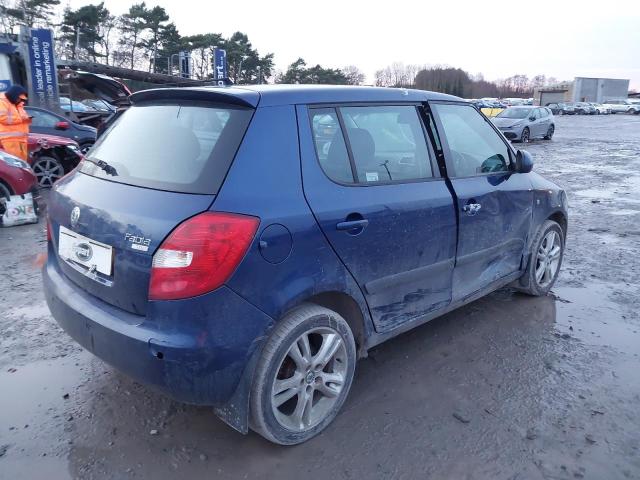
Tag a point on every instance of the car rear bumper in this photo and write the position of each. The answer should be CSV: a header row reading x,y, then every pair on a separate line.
x,y
193,350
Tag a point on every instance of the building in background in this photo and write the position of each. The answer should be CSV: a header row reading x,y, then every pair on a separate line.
x,y
583,89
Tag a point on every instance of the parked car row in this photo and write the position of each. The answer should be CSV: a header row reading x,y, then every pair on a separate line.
x,y
591,108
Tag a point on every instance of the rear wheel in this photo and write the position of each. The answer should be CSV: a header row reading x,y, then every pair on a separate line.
x,y
304,375
525,135
47,170
547,251
550,132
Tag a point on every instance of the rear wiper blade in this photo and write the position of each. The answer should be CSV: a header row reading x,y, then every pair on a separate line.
x,y
109,169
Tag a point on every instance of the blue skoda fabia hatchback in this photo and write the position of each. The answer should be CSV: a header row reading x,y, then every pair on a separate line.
x,y
242,247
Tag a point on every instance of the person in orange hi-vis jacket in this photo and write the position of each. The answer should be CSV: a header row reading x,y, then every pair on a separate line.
x,y
14,122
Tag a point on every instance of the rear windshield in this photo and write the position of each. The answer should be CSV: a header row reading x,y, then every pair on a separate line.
x,y
177,147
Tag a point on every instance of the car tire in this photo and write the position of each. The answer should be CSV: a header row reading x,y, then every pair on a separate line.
x,y
525,136
5,191
543,266
85,147
48,170
550,132
295,414
560,112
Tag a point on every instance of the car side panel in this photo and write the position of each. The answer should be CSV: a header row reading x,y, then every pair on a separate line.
x,y
294,261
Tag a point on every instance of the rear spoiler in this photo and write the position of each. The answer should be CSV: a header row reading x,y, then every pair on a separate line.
x,y
229,95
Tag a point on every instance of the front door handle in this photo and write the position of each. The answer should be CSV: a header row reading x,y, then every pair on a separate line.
x,y
353,225
471,209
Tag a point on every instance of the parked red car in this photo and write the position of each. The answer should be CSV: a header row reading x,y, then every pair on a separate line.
x,y
16,177
52,157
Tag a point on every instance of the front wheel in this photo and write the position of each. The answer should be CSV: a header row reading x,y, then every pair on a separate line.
x,y
547,251
303,376
525,135
550,132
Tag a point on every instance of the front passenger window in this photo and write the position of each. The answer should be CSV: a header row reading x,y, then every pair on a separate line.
x,y
475,147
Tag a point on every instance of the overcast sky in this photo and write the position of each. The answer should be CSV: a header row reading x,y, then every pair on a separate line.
x,y
559,38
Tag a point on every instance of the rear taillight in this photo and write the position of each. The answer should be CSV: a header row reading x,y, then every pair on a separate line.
x,y
200,255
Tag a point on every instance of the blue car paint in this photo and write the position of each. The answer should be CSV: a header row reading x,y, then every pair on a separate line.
x,y
491,243
269,161
203,350
403,259
110,210
193,350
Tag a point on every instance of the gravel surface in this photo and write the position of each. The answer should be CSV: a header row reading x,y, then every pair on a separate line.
x,y
508,387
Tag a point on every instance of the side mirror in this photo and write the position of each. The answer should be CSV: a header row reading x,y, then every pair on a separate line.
x,y
532,118
62,125
524,162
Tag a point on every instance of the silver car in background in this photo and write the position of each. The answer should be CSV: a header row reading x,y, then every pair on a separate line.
x,y
524,122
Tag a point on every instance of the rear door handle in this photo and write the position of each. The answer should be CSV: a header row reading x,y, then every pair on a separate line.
x,y
471,209
353,224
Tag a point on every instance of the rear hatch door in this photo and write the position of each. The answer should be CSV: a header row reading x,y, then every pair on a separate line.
x,y
160,163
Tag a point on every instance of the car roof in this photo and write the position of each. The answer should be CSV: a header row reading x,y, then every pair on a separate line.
x,y
272,95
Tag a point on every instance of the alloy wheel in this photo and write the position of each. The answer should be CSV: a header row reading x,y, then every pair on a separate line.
x,y
525,136
309,380
548,258
47,171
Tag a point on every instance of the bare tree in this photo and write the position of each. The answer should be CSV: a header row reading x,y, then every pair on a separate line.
x,y
353,74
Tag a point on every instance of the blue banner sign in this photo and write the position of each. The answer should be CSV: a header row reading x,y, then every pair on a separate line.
x,y
43,88
4,85
220,65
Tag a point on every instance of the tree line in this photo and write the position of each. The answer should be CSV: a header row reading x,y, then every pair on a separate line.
x,y
145,38
456,81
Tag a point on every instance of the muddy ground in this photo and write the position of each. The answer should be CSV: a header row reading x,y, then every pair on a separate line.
x,y
509,387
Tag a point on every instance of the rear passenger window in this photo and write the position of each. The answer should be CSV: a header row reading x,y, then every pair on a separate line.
x,y
387,142
475,147
330,145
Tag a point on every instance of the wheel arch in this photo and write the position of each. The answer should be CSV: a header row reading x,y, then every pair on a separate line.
x,y
561,219
346,306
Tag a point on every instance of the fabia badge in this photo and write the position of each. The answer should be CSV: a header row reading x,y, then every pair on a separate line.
x,y
83,251
75,216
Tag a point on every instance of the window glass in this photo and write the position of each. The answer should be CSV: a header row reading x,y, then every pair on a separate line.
x,y
177,147
475,147
42,119
330,145
387,142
